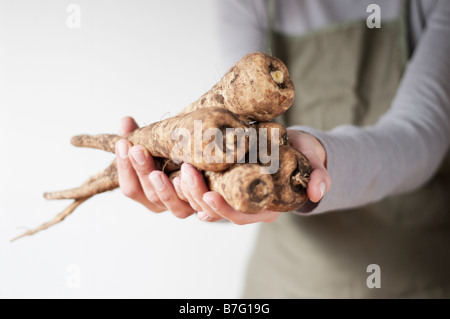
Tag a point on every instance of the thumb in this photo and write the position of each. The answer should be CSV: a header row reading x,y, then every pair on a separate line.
x,y
320,181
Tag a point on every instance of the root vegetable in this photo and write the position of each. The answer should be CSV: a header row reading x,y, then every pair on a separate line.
x,y
243,187
256,88
160,142
105,142
291,180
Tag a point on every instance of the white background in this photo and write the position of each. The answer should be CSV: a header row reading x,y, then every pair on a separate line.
x,y
146,59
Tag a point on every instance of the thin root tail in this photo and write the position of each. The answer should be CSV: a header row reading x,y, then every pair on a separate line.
x,y
58,218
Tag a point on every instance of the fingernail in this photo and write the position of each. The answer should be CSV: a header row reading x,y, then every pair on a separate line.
x,y
122,147
322,189
139,156
201,215
157,181
210,202
186,176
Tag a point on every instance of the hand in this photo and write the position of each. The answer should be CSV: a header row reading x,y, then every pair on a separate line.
x,y
140,181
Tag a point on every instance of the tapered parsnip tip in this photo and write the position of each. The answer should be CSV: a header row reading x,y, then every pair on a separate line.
x,y
17,237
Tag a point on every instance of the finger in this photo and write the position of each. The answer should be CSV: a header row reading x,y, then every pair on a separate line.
x,y
318,185
204,217
143,165
127,125
177,186
193,186
186,184
320,181
167,194
222,208
128,180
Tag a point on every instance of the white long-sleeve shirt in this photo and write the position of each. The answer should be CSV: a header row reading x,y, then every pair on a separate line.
x,y
406,146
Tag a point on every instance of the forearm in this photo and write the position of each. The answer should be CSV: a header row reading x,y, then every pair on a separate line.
x,y
368,164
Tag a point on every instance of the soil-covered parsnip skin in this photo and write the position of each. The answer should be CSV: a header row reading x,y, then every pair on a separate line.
x,y
283,138
159,140
256,88
243,186
264,132
291,180
105,142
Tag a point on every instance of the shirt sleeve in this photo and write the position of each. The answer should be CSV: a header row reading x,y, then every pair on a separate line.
x,y
407,145
241,27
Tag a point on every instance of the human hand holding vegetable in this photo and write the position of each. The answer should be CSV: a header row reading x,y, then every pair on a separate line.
x,y
212,206
141,181
255,90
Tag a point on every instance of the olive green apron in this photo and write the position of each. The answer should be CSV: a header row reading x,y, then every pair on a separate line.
x,y
348,74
